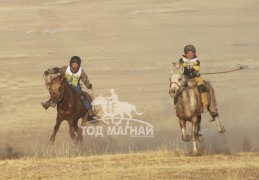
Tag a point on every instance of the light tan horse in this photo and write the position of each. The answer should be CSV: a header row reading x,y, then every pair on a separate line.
x,y
188,105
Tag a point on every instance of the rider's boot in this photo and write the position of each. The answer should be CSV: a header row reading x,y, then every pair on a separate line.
x,y
47,104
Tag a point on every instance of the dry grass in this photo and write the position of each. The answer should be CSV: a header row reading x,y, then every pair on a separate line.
x,y
127,45
150,165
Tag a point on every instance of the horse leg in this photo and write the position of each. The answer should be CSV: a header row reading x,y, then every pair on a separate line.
x,y
214,110
220,128
200,137
56,127
183,129
78,131
85,119
198,125
71,131
194,134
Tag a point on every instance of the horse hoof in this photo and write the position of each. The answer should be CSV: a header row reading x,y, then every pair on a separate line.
x,y
51,143
222,130
185,139
195,153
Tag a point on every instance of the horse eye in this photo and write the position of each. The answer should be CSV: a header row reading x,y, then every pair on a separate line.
x,y
180,79
59,88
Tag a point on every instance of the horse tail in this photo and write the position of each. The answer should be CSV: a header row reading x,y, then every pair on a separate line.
x,y
135,110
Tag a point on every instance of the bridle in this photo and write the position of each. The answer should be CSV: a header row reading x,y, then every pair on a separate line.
x,y
172,82
180,88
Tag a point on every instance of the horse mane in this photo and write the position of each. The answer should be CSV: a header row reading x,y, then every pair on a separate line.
x,y
64,81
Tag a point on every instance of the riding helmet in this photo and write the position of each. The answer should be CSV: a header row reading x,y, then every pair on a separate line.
x,y
75,59
189,48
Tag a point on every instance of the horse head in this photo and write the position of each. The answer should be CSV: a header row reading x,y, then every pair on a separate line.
x,y
177,81
56,88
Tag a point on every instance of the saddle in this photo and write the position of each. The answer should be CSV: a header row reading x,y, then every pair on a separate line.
x,y
194,84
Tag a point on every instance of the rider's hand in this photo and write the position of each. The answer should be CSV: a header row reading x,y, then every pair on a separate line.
x,y
46,73
90,86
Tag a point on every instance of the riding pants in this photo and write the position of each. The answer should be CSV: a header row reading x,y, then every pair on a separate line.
x,y
202,90
79,91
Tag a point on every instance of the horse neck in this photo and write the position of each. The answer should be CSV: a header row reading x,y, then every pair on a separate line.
x,y
68,92
186,95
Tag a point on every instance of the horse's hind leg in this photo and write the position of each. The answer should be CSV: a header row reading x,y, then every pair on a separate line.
x,y
78,131
183,129
56,127
71,131
214,109
198,125
199,135
220,128
85,119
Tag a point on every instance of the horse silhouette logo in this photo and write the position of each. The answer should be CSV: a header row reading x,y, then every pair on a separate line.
x,y
112,108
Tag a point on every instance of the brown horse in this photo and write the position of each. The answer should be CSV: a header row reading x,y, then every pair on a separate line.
x,y
69,107
188,105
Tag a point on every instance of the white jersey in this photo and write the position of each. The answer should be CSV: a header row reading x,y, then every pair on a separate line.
x,y
73,78
190,62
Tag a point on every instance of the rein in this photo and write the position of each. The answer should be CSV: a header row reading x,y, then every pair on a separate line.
x,y
180,90
239,67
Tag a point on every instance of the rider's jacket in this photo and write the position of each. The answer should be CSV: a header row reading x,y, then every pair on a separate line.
x,y
191,67
72,78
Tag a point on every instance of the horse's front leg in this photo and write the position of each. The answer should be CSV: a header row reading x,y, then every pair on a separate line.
x,y
183,129
199,135
220,128
194,134
59,119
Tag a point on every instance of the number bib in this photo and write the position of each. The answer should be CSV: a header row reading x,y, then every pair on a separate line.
x,y
73,78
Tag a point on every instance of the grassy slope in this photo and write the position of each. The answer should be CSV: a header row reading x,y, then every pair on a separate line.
x,y
151,165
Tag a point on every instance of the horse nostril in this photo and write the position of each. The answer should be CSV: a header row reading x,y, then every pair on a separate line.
x,y
172,91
